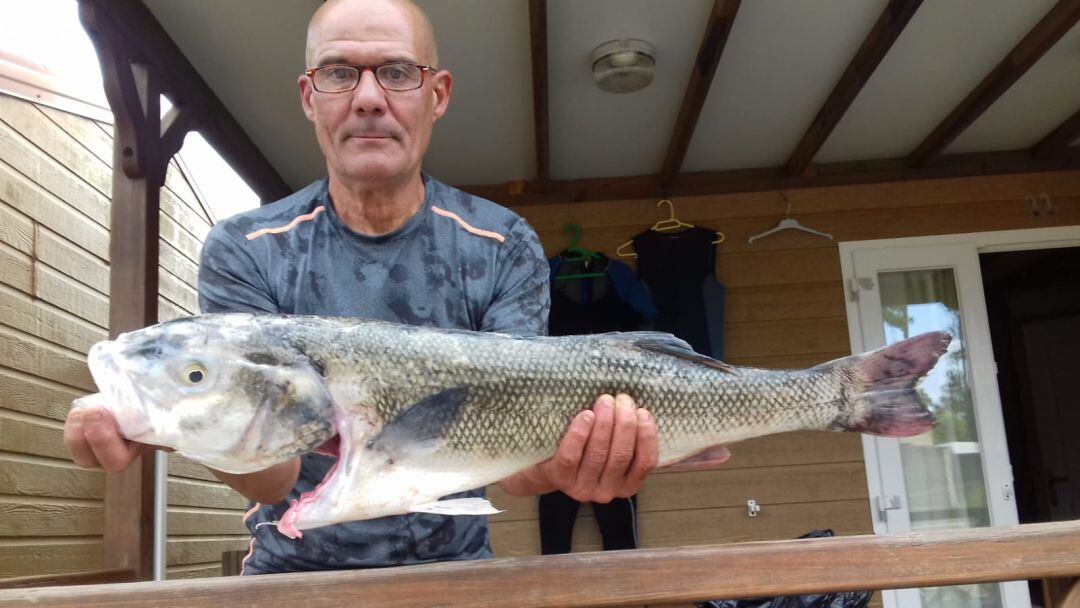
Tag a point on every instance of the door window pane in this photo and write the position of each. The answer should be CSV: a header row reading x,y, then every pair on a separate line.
x,y
942,469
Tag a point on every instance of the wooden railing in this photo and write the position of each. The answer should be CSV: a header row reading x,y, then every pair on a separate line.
x,y
645,576
95,577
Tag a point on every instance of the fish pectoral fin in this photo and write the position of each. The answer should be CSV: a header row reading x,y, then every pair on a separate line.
x,y
705,459
457,506
422,427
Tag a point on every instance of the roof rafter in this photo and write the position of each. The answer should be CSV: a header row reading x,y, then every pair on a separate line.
x,y
1058,140
183,85
886,30
539,52
1044,35
712,47
706,183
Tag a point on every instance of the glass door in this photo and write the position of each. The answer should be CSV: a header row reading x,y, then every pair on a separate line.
x,y
958,475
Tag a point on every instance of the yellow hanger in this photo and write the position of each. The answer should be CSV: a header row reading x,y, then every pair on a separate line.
x,y
671,223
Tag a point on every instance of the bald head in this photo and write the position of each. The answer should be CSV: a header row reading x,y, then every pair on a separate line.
x,y
340,11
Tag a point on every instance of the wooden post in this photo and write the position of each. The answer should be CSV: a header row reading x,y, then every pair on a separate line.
x,y
142,147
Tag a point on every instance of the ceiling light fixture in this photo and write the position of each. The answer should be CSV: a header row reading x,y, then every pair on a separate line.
x,y
623,66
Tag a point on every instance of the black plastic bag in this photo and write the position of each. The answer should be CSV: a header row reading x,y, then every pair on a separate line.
x,y
848,599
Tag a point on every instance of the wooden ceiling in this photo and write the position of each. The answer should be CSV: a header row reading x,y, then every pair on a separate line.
x,y
748,95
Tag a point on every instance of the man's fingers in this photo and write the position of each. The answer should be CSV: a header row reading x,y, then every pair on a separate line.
x,y
110,448
621,451
646,452
564,464
595,457
78,448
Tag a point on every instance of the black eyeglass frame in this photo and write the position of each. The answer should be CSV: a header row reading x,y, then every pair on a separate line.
x,y
361,68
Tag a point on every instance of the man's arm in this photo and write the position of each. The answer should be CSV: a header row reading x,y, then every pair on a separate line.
x,y
606,452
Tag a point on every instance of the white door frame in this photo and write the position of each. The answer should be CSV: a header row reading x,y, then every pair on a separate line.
x,y
981,242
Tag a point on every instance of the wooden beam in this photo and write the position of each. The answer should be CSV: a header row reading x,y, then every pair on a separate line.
x,y
773,178
150,44
708,58
1057,141
142,147
886,30
538,35
644,576
1044,35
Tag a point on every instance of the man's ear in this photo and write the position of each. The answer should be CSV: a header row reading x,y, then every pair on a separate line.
x,y
306,90
442,87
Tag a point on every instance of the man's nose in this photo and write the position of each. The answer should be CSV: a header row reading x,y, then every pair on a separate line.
x,y
369,96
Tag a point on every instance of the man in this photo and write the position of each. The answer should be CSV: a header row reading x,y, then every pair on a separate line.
x,y
379,239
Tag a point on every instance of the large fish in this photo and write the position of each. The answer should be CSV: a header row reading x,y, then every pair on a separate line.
x,y
419,413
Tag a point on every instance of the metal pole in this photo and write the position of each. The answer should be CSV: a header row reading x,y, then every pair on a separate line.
x,y
161,506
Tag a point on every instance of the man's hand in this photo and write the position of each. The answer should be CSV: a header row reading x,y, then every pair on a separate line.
x,y
605,454
93,438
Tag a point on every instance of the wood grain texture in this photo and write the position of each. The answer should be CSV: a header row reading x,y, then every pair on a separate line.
x,y
713,41
35,556
658,575
16,229
53,177
25,392
46,209
875,46
1057,22
699,526
96,577
33,355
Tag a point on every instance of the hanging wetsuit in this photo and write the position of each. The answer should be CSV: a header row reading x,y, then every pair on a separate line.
x,y
680,270
616,301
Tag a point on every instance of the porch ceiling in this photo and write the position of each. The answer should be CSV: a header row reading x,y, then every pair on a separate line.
x,y
777,70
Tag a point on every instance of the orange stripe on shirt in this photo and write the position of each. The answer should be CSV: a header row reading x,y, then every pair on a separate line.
x,y
251,545
302,218
466,226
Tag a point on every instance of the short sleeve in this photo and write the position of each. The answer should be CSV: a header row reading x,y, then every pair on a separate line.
x,y
522,297
229,278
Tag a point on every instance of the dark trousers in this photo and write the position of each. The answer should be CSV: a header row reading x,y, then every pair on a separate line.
x,y
617,521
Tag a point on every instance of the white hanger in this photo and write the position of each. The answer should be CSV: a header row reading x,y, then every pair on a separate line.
x,y
788,224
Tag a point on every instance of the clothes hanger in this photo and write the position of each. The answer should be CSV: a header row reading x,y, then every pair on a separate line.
x,y
788,224
671,223
573,253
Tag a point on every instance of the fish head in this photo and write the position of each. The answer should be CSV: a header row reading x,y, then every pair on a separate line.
x,y
224,394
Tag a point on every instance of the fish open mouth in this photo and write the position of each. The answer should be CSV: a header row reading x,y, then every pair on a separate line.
x,y
309,511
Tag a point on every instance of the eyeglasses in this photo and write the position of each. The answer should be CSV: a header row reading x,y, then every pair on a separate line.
x,y
341,77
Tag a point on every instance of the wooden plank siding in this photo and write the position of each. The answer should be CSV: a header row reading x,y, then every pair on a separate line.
x,y
785,308
55,183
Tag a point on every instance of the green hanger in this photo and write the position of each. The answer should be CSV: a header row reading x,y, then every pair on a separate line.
x,y
573,253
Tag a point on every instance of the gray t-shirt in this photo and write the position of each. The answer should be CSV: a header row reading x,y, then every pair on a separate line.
x,y
459,262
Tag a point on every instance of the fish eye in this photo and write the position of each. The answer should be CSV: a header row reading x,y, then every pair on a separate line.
x,y
194,374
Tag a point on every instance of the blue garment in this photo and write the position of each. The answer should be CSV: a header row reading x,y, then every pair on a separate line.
x,y
459,262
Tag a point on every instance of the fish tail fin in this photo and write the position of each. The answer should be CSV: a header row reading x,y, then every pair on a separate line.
x,y
885,401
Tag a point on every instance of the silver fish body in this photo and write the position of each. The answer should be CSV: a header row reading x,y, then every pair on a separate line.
x,y
421,412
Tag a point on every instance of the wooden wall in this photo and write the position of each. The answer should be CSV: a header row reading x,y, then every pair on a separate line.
x,y
785,309
55,183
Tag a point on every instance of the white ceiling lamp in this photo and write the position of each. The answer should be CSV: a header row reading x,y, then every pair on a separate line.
x,y
623,66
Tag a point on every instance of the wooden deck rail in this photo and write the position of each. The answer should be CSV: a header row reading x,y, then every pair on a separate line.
x,y
95,577
629,577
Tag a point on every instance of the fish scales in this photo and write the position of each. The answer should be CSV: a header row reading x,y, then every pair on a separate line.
x,y
424,412
537,385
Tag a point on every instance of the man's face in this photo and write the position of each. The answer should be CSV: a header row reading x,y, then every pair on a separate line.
x,y
371,136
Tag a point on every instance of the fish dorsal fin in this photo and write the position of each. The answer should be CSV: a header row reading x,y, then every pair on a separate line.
x,y
667,344
422,427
